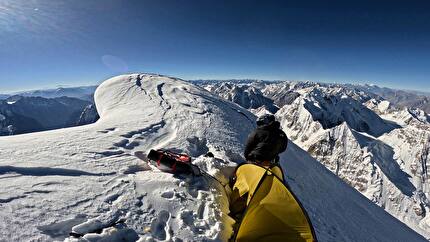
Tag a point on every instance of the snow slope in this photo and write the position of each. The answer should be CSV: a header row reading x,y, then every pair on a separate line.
x,y
377,147
372,150
87,178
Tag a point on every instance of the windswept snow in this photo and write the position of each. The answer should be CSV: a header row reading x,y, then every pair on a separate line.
x,y
338,212
88,180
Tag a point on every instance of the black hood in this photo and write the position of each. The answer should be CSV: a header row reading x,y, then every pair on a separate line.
x,y
273,125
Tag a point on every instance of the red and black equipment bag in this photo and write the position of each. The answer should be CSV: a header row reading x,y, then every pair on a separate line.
x,y
169,161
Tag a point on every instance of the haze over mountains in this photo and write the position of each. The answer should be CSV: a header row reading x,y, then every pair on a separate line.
x,y
40,110
87,178
20,114
401,98
84,93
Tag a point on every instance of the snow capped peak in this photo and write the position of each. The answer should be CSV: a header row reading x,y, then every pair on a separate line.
x,y
331,108
372,143
91,175
172,101
419,115
245,95
89,178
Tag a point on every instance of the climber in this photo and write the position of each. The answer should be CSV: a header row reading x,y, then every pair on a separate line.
x,y
266,142
264,207
263,147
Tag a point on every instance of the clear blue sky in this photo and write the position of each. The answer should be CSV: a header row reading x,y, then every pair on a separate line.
x,y
45,43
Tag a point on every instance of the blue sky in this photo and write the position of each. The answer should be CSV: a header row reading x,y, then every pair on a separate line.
x,y
46,43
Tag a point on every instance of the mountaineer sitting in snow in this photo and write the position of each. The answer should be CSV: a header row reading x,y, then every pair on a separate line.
x,y
263,147
266,142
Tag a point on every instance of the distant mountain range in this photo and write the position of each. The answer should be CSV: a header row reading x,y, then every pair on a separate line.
x,y
251,98
3,96
376,139
39,110
88,179
402,98
20,114
84,93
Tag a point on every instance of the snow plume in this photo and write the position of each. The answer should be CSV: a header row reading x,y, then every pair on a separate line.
x,y
87,179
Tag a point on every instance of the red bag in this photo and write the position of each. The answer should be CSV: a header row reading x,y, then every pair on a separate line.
x,y
172,162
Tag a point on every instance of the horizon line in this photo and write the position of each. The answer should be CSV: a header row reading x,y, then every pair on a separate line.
x,y
351,82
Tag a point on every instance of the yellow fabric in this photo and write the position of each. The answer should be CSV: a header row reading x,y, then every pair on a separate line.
x,y
272,213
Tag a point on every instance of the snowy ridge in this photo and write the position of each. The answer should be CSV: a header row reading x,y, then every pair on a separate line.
x,y
87,179
377,148
249,97
89,174
337,211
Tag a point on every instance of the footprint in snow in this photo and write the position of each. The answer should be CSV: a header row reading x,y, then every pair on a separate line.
x,y
159,227
60,230
187,217
168,194
107,130
133,169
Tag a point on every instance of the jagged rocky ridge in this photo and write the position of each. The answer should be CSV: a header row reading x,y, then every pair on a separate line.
x,y
86,178
89,115
378,147
249,97
401,98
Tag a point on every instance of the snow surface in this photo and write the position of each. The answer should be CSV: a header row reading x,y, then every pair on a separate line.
x,y
377,147
87,178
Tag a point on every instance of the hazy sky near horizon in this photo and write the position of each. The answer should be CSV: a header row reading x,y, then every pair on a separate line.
x,y
46,43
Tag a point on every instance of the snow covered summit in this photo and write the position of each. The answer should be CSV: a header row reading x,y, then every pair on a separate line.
x,y
87,180
378,147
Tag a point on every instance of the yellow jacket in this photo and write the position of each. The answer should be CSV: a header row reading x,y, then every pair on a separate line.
x,y
272,212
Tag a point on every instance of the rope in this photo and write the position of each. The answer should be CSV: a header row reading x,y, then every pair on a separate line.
x,y
204,173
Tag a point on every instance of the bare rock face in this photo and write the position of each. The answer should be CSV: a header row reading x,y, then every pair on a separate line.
x,y
89,115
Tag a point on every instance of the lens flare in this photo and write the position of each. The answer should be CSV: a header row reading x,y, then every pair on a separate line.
x,y
114,63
